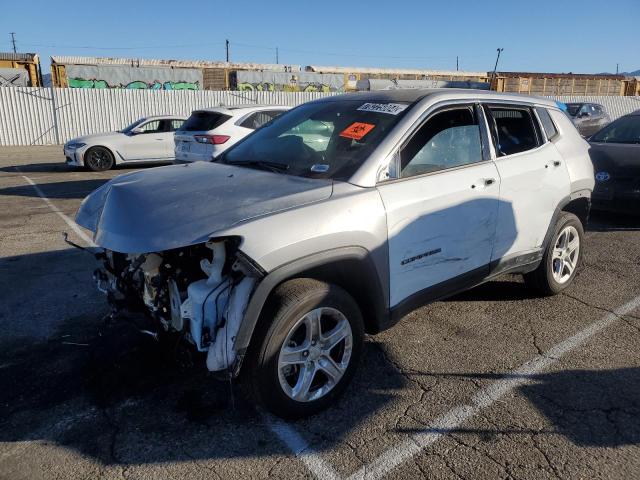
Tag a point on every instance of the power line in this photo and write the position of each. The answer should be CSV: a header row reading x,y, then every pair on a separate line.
x,y
92,47
340,54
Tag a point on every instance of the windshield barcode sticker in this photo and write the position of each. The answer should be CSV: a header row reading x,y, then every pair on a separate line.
x,y
390,108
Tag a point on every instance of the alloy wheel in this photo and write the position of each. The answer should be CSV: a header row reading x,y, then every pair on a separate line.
x,y
315,354
565,255
99,159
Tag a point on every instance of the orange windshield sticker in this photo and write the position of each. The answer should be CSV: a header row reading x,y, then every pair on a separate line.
x,y
357,130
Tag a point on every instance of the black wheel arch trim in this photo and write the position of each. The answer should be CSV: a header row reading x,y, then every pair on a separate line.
x,y
578,194
376,297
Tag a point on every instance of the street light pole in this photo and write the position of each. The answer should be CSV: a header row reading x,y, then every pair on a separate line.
x,y
497,59
495,68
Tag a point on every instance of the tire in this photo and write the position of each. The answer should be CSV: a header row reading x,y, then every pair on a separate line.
x,y
98,159
278,372
560,261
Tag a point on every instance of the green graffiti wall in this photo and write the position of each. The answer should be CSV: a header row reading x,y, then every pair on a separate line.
x,y
133,78
289,82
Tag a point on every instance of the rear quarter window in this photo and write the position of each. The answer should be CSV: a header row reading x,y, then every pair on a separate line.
x,y
204,121
547,124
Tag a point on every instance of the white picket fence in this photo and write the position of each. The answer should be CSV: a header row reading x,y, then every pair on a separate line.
x,y
49,116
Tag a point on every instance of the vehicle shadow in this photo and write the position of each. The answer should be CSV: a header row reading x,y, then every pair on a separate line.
x,y
114,394
119,396
57,190
591,408
502,289
611,222
61,167
52,167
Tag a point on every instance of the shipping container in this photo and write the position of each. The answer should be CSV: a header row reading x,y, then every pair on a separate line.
x,y
20,70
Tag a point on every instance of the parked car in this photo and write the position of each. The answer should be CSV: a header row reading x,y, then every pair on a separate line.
x,y
615,153
209,132
148,140
279,256
588,117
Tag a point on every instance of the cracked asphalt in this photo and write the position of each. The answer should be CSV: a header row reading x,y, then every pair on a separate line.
x,y
81,399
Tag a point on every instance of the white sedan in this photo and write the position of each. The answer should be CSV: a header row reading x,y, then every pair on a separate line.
x,y
146,140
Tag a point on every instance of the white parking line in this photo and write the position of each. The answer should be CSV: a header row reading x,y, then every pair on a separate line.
x,y
76,228
448,422
300,448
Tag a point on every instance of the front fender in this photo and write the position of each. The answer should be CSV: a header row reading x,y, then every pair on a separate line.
x,y
369,280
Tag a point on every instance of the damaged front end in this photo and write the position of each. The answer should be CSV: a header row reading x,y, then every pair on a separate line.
x,y
200,292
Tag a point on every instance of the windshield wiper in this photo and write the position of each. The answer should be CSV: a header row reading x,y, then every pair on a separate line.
x,y
266,165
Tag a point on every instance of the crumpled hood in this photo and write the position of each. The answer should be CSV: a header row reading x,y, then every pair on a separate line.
x,y
176,206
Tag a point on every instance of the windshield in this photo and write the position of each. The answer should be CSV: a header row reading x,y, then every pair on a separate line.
x,y
319,140
573,108
132,126
623,130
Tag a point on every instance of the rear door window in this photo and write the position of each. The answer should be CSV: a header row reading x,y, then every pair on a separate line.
x,y
202,121
514,129
176,125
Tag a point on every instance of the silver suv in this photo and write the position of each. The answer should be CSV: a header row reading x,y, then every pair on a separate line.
x,y
335,220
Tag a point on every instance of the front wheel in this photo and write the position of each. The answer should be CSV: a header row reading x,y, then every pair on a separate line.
x,y
561,258
311,339
98,159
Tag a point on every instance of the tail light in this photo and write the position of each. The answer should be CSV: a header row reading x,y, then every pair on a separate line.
x,y
212,139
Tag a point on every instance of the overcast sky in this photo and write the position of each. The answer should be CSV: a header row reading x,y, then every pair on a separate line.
x,y
542,36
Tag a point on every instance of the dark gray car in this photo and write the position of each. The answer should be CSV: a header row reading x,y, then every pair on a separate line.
x,y
615,153
588,117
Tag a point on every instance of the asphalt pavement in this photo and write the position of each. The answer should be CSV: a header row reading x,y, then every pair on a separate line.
x,y
492,383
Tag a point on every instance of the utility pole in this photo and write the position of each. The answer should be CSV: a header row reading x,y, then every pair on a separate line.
x,y
617,67
277,62
456,63
226,43
13,40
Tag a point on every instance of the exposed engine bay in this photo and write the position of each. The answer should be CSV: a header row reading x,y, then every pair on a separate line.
x,y
201,292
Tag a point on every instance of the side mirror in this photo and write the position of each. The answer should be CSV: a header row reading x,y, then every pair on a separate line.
x,y
137,131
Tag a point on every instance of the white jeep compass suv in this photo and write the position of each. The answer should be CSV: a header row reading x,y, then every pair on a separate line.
x,y
337,218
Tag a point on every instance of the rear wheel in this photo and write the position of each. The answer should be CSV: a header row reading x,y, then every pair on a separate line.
x,y
561,258
311,339
98,159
